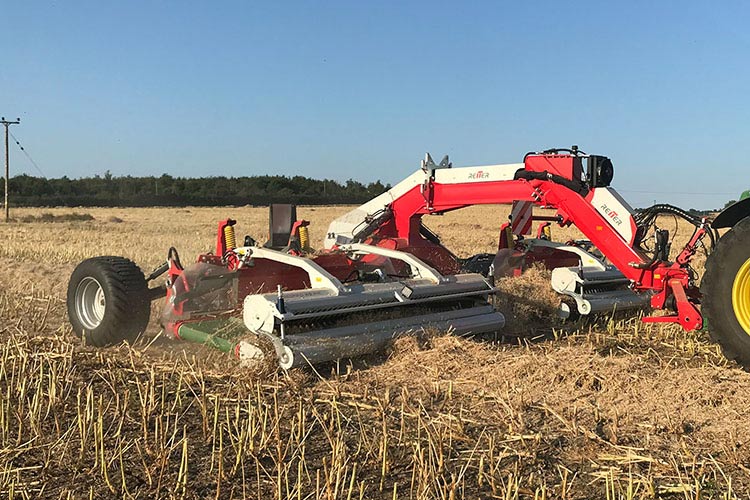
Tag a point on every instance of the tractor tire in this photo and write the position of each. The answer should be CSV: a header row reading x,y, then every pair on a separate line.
x,y
108,301
726,293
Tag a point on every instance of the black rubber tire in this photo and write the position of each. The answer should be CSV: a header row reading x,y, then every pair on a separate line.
x,y
722,266
127,306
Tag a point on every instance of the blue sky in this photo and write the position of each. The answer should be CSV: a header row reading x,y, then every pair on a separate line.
x,y
361,90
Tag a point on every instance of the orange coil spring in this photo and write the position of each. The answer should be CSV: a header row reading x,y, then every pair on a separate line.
x,y
229,240
304,238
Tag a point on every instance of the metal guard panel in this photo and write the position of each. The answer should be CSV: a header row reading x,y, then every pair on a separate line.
x,y
732,214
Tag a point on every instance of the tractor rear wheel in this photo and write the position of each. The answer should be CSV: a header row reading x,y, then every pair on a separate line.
x,y
108,301
726,293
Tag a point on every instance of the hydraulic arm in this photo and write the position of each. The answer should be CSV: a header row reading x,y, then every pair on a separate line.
x,y
553,179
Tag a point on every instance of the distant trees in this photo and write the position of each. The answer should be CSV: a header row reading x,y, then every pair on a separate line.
x,y
743,196
166,190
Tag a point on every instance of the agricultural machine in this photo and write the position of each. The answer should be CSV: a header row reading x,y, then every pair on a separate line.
x,y
383,273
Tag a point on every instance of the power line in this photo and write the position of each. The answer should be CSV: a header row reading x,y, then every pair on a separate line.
x,y
28,155
676,192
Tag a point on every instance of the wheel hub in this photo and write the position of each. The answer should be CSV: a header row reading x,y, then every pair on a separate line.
x,y
741,296
90,303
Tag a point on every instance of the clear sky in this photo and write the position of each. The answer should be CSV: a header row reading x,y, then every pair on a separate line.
x,y
362,89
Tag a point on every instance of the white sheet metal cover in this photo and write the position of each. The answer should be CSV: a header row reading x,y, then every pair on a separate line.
x,y
616,211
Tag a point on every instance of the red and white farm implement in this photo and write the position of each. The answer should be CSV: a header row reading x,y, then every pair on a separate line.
x,y
384,274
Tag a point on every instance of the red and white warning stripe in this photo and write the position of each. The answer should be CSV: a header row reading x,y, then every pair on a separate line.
x,y
521,217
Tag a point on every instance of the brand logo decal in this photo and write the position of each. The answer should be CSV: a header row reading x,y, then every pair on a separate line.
x,y
480,174
612,214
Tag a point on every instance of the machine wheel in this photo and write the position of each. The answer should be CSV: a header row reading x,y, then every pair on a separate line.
x,y
726,293
108,301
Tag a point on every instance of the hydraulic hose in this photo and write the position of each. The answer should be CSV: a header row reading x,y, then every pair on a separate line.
x,y
578,187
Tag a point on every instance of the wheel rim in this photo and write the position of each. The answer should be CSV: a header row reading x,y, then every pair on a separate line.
x,y
90,303
741,296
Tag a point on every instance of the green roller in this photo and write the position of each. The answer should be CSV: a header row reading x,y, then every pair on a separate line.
x,y
216,333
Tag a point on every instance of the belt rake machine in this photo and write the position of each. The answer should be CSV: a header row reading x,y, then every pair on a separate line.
x,y
384,274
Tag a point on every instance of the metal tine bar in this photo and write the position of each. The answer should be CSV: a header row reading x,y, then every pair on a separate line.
x,y
396,324
400,302
374,293
357,344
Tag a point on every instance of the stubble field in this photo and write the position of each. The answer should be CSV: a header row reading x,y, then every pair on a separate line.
x,y
610,409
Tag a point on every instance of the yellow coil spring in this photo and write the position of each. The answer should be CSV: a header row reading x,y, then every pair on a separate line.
x,y
304,238
229,240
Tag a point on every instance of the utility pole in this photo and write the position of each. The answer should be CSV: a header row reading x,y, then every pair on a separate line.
x,y
7,124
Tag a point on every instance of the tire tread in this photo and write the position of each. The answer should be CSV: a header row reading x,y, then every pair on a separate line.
x,y
723,327
128,309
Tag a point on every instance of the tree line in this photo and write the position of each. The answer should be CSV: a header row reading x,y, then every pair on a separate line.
x,y
128,191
